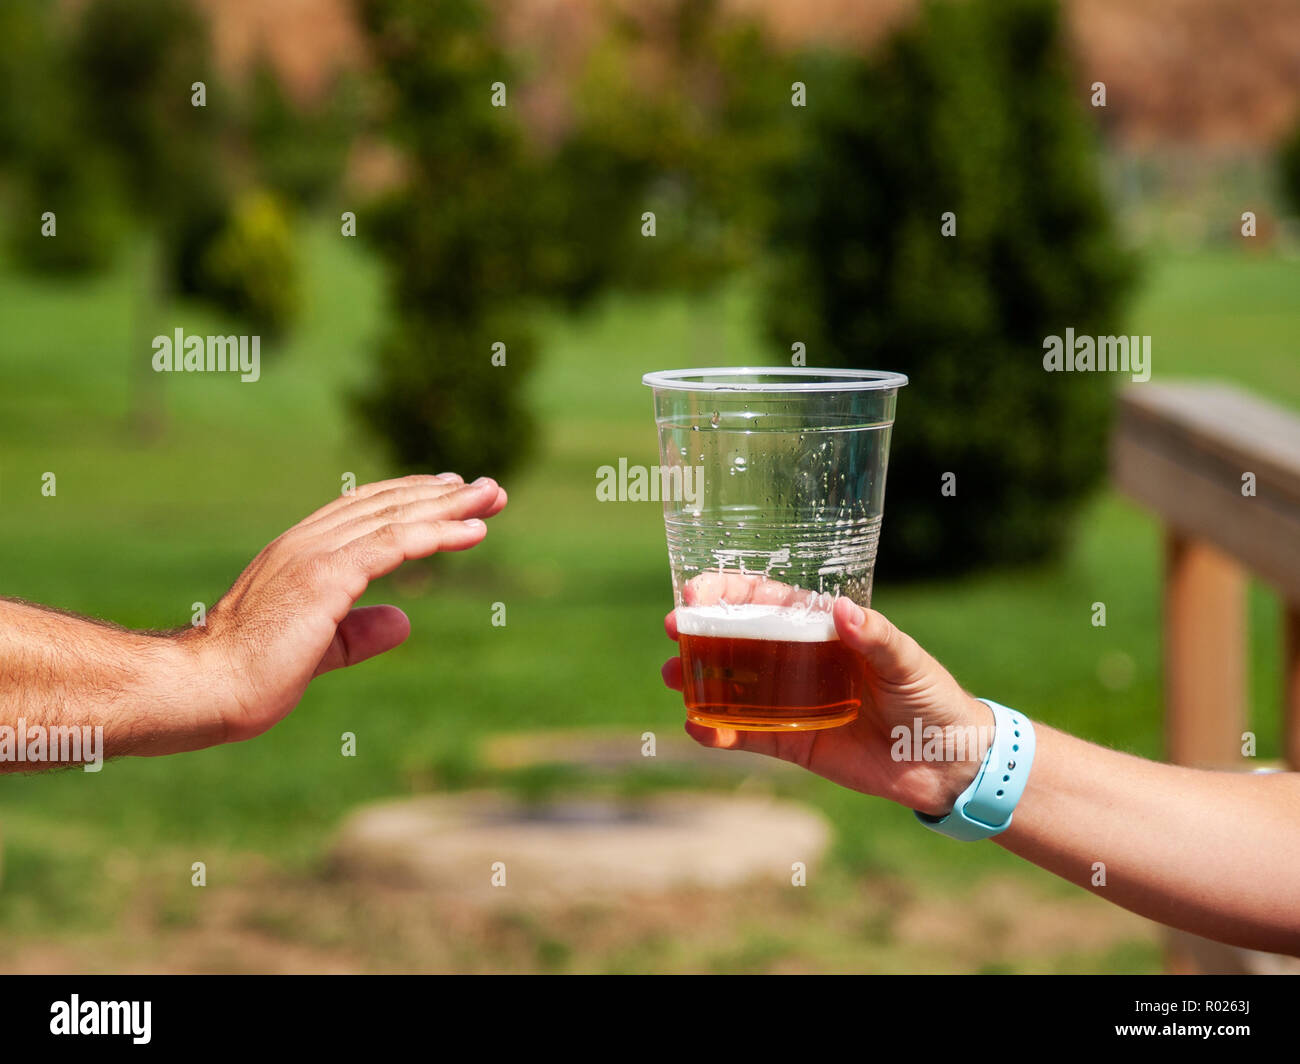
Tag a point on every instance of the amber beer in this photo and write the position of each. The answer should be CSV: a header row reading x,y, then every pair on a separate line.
x,y
766,668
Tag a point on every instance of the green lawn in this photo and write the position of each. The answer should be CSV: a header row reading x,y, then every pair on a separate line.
x,y
139,531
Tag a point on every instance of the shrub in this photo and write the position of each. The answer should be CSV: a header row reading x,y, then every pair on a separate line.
x,y
490,223
78,188
1288,164
300,150
134,62
49,162
442,403
969,110
251,265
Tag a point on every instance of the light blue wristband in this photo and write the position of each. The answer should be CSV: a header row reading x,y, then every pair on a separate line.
x,y
984,808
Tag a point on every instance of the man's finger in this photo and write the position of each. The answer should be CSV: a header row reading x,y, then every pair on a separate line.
x,y
475,500
363,633
365,491
383,550
400,494
672,673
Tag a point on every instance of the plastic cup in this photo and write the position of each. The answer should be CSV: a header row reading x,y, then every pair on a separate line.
x,y
773,484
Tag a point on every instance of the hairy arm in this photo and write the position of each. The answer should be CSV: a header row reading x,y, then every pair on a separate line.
x,y
289,617
62,671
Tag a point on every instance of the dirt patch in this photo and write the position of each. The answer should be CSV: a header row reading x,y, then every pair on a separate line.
x,y
271,921
1005,918
496,849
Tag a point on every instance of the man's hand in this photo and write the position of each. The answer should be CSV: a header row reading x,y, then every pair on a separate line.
x,y
290,617
903,682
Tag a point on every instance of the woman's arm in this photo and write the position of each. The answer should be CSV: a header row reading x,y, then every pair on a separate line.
x,y
1214,853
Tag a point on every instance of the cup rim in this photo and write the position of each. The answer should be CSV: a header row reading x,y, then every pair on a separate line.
x,y
841,380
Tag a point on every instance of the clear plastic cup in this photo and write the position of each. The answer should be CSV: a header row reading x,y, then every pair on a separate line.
x,y
773,484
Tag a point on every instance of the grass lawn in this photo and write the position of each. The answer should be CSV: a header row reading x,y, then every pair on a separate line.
x,y
97,867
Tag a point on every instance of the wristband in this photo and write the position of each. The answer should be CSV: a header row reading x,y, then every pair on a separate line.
x,y
984,808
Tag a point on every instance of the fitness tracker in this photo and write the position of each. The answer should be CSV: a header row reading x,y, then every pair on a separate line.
x,y
984,808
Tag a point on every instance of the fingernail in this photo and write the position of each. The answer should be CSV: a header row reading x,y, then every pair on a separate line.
x,y
856,615
475,523
445,476
481,481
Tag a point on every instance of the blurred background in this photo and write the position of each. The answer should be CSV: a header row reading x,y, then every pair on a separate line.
x,y
347,191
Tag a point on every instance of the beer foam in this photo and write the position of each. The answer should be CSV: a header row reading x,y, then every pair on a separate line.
x,y
777,623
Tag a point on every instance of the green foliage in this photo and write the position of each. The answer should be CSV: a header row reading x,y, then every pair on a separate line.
x,y
134,66
691,145
300,150
52,166
458,241
188,236
494,220
31,68
115,134
136,61
440,401
251,264
88,219
969,110
1288,165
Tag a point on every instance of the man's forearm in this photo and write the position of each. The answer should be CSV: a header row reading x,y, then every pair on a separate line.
x,y
59,671
1215,853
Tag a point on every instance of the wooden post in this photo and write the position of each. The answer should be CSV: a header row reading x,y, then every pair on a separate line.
x,y
1205,641
1221,469
1205,659
1291,683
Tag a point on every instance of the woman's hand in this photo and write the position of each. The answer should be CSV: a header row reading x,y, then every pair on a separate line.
x,y
905,687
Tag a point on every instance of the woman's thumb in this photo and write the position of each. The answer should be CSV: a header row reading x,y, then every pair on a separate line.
x,y
891,654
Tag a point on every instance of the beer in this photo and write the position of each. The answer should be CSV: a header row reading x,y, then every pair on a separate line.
x,y
766,668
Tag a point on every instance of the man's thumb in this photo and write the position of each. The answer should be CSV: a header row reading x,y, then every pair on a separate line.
x,y
365,632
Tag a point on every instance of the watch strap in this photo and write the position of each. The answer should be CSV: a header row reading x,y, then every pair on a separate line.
x,y
984,808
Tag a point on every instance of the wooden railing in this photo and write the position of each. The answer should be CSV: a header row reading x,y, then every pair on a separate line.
x,y
1221,468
